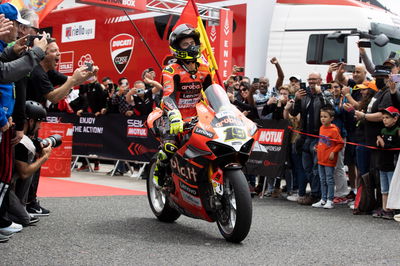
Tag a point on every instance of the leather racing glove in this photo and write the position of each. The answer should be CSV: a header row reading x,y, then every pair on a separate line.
x,y
176,125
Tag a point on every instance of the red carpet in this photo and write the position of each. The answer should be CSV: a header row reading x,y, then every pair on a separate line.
x,y
50,187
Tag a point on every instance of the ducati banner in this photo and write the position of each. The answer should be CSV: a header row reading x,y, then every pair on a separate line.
x,y
111,136
269,152
121,47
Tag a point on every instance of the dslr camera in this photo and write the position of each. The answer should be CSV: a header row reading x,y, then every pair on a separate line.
x,y
54,141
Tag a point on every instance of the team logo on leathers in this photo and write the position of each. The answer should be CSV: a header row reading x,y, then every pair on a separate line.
x,y
121,47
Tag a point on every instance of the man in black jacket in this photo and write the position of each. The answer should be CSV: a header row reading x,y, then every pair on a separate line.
x,y
308,104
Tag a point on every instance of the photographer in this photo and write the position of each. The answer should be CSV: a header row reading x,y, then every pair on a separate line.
x,y
108,85
148,77
276,103
44,77
141,98
308,103
41,87
119,98
30,155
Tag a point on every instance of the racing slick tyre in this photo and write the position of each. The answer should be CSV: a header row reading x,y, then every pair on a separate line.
x,y
158,199
234,218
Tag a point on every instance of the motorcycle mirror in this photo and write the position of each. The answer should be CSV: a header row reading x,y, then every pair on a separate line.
x,y
381,40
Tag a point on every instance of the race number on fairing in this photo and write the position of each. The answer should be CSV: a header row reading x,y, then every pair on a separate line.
x,y
234,133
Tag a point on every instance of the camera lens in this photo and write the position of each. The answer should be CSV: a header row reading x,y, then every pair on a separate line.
x,y
53,140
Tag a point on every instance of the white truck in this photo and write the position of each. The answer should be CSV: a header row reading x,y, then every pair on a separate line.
x,y
306,35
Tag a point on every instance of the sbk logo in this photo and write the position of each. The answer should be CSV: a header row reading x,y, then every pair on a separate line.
x,y
121,47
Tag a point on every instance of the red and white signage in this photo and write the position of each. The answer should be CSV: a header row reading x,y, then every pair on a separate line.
x,y
137,132
221,42
66,63
122,4
121,47
78,31
271,136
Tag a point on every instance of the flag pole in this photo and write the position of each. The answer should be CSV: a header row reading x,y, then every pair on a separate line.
x,y
207,42
144,41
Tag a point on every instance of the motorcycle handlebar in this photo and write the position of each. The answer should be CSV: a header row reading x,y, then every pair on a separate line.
x,y
190,124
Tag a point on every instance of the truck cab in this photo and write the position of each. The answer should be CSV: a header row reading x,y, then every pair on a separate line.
x,y
308,37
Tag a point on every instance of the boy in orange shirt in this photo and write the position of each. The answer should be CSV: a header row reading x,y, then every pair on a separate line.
x,y
328,147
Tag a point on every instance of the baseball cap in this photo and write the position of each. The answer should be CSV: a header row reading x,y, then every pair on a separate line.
x,y
381,70
368,85
390,61
392,111
297,77
11,12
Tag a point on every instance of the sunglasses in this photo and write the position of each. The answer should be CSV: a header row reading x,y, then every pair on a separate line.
x,y
242,90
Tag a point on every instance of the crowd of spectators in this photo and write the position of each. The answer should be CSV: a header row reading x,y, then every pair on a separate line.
x,y
344,135
28,79
345,129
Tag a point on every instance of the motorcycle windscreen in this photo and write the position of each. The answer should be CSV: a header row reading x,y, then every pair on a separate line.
x,y
218,99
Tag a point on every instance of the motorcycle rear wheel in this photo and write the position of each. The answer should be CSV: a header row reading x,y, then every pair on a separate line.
x,y
234,218
158,199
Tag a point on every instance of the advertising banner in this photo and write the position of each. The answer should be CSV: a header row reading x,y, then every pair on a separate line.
x,y
222,43
269,152
122,4
59,162
110,136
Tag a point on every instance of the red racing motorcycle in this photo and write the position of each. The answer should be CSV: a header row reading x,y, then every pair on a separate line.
x,y
204,179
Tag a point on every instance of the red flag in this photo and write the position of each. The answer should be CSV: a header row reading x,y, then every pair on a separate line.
x,y
42,8
190,15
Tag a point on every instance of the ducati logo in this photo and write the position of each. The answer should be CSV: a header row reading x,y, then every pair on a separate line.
x,y
121,47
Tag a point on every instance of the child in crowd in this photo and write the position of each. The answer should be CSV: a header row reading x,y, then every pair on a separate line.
x,y
328,147
389,138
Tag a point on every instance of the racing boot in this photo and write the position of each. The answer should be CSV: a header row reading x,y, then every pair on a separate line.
x,y
159,170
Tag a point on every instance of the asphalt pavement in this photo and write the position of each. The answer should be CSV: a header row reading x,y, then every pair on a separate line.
x,y
122,230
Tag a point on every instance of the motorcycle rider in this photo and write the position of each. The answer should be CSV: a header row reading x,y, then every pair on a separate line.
x,y
182,83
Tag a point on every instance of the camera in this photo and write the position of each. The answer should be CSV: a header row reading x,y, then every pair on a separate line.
x,y
240,69
325,87
140,91
349,68
89,66
54,141
31,38
364,43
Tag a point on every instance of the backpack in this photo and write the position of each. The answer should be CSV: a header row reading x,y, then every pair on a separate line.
x,y
365,201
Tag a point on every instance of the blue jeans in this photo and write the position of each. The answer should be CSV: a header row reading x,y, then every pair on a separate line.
x,y
386,178
363,155
299,175
327,182
310,165
251,179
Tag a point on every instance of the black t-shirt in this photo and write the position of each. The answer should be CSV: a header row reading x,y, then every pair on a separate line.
x,y
21,153
41,83
145,105
380,101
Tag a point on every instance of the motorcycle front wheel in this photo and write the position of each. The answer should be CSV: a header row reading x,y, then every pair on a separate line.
x,y
234,218
158,199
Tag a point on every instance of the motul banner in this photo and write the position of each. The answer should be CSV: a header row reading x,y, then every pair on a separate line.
x,y
122,4
269,152
111,136
221,42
